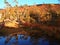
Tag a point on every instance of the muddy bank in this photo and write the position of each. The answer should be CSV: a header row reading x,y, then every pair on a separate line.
x,y
36,30
7,30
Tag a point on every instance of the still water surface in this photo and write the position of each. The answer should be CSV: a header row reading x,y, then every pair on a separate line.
x,y
25,39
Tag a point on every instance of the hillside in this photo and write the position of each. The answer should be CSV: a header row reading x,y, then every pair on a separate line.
x,y
41,13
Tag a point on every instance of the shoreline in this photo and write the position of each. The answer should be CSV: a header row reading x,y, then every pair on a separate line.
x,y
7,31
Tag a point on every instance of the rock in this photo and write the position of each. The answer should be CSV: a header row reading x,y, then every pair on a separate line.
x,y
11,24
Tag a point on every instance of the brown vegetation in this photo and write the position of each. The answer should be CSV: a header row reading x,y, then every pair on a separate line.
x,y
43,17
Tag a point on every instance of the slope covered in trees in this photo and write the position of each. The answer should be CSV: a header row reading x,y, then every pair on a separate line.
x,y
43,13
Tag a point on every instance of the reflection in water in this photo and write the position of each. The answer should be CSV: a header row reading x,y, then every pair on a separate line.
x,y
23,37
27,38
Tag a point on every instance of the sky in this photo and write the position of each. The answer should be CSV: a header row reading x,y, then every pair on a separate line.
x,y
29,2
